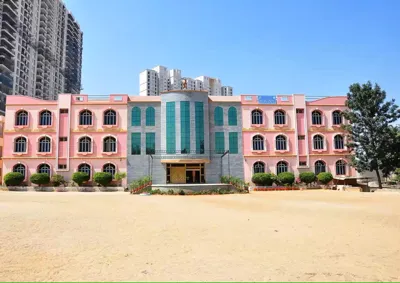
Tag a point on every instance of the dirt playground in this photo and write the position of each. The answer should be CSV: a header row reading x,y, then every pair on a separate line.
x,y
263,236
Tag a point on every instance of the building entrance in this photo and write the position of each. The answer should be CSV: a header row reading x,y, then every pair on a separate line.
x,y
185,173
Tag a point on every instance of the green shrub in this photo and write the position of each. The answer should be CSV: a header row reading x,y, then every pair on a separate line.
x,y
182,193
13,179
40,178
119,176
325,177
102,178
263,179
307,177
170,192
286,178
80,178
57,180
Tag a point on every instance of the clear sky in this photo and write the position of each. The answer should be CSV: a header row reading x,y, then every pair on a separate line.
x,y
264,47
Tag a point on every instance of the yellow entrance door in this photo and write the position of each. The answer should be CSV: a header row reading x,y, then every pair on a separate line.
x,y
178,175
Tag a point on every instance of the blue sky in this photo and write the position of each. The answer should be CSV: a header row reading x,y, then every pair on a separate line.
x,y
261,47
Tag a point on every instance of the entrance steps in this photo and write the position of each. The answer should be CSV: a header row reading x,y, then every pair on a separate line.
x,y
189,187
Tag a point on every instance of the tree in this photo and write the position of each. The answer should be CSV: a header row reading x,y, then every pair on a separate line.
x,y
102,178
80,177
13,179
286,178
40,178
307,177
325,177
57,180
371,137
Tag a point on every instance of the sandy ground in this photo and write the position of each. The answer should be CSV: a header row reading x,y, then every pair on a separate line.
x,y
265,236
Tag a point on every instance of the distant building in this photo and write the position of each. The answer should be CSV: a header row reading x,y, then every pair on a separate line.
x,y
40,50
153,82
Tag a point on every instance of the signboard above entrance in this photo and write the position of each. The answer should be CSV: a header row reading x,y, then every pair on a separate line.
x,y
266,99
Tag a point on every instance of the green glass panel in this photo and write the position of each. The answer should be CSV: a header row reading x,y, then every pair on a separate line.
x,y
199,123
233,143
219,142
150,116
136,143
232,116
171,131
150,143
135,116
185,127
218,116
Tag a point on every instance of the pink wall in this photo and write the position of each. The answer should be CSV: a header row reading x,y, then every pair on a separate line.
x,y
298,124
65,125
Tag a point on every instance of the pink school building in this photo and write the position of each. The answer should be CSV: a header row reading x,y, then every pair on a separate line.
x,y
286,133
72,134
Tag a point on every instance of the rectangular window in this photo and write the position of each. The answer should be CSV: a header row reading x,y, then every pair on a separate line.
x,y
136,143
302,163
150,143
233,143
219,142
199,123
171,131
299,111
63,111
185,126
62,166
301,138
62,139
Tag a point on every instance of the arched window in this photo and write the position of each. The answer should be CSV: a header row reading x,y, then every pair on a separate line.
x,y
259,167
281,167
109,144
316,117
339,142
20,144
318,142
218,116
280,117
256,117
85,118
45,118
20,168
109,168
21,119
320,167
44,144
110,117
84,168
136,121
341,167
281,142
232,116
258,142
44,168
150,116
337,117
85,144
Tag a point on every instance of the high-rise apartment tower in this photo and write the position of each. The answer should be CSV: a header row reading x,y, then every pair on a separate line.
x,y
40,49
154,81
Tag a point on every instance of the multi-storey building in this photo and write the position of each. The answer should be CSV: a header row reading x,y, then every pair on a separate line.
x,y
286,133
40,50
75,133
181,136
159,79
2,119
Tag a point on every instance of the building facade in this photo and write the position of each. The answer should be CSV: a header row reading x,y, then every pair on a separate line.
x,y
286,133
184,137
181,136
75,133
153,82
40,50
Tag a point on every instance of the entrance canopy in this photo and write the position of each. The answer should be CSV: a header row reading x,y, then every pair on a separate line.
x,y
185,161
